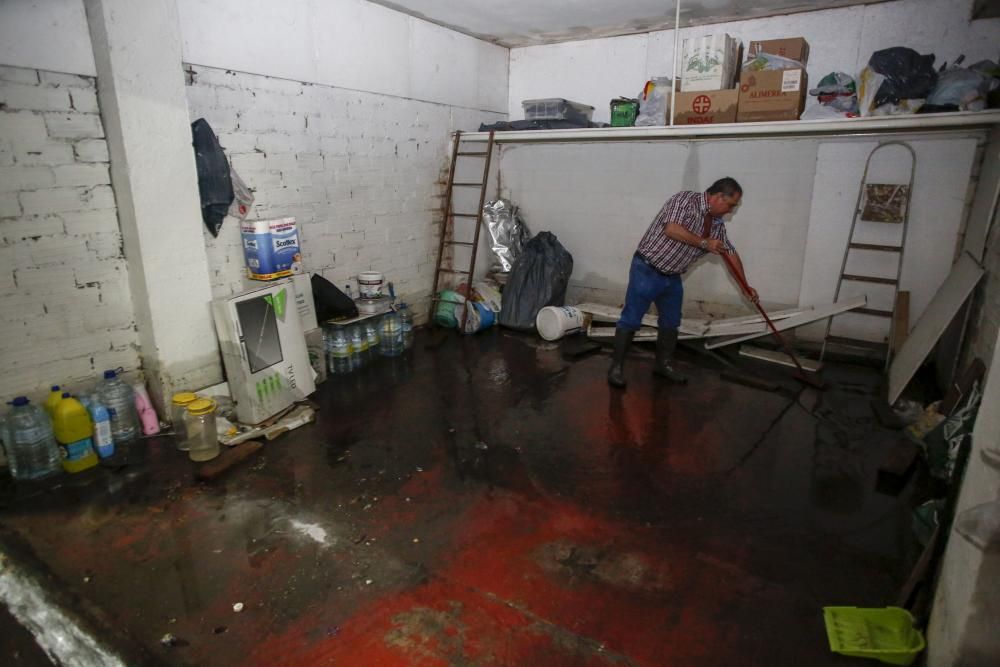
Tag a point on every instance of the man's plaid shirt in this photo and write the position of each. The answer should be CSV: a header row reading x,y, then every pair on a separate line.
x,y
688,209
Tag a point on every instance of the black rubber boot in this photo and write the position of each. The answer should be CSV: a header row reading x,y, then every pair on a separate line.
x,y
616,374
666,341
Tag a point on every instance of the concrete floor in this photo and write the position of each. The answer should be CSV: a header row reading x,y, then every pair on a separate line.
x,y
489,503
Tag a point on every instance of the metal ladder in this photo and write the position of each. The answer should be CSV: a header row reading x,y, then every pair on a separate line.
x,y
891,248
450,216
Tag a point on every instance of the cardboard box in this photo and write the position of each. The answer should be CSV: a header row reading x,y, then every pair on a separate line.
x,y
709,63
771,95
795,48
263,350
304,301
706,107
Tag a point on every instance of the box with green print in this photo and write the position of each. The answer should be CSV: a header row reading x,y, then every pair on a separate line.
x,y
263,350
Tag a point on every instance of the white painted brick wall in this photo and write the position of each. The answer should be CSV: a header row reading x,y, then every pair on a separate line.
x,y
65,307
362,173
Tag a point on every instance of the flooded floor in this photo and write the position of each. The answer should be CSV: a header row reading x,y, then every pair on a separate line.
x,y
488,502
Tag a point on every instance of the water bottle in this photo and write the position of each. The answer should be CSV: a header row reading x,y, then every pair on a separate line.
x,y
103,442
371,334
339,352
406,317
119,400
31,447
391,334
359,347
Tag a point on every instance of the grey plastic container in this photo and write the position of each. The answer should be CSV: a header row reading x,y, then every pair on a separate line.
x,y
556,108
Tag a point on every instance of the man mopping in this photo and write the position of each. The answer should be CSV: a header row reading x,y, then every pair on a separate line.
x,y
688,226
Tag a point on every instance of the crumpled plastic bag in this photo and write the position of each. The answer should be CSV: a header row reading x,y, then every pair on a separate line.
x,y
869,84
960,89
242,197
654,103
836,91
539,278
908,75
508,233
981,525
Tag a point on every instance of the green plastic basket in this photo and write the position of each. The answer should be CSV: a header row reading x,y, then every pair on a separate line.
x,y
885,634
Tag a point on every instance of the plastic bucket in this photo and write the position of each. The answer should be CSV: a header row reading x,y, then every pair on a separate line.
x,y
554,322
370,284
480,317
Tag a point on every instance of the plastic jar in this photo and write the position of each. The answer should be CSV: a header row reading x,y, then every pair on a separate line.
x,y
178,406
199,420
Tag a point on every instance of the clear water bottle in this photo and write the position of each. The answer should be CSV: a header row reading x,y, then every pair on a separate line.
x,y
31,446
406,317
118,398
371,334
359,347
338,352
391,334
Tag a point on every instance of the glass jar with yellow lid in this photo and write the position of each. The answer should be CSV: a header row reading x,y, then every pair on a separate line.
x,y
178,406
203,440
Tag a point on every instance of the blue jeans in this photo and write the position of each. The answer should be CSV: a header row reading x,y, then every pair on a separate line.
x,y
646,285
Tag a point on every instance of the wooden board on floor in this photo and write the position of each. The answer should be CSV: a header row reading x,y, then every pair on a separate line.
x,y
816,314
964,276
697,328
781,358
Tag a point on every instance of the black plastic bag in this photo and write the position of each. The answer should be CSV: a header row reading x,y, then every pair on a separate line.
x,y
331,303
214,182
538,278
908,75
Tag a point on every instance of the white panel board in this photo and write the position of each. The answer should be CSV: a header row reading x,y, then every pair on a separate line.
x,y
814,315
984,203
964,277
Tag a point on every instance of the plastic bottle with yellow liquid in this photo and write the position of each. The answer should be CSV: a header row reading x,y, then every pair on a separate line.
x,y
53,400
74,430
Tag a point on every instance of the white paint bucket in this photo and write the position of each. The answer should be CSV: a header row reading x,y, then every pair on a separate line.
x,y
370,284
554,322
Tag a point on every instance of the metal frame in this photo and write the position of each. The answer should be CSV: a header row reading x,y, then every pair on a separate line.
x,y
902,242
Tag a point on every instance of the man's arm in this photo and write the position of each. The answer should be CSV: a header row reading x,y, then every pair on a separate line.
x,y
754,298
678,232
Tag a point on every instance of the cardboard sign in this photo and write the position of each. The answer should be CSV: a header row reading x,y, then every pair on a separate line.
x,y
795,48
771,95
706,107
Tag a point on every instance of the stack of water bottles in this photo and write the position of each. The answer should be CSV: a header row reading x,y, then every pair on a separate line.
x,y
72,432
351,347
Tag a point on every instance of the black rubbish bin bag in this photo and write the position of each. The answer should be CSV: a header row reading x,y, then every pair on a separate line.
x,y
538,278
908,75
214,182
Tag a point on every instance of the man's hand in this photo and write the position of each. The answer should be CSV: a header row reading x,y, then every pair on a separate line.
x,y
715,246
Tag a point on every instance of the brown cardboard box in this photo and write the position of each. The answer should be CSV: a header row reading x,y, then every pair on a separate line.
x,y
706,107
772,95
795,48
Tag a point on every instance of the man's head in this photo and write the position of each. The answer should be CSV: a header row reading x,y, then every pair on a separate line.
x,y
723,196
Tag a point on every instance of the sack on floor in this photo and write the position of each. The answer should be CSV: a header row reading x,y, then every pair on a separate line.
x,y
538,278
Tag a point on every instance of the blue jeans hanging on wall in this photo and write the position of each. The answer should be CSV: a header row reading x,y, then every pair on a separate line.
x,y
646,285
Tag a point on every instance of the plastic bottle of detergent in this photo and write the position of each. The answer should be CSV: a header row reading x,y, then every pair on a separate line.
x,y
117,397
53,400
103,442
74,429
31,449
147,413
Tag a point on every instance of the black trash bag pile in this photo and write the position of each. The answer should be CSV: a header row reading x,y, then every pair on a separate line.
x,y
908,75
214,182
538,279
331,303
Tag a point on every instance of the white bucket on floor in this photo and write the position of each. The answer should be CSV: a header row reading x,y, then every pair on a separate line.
x,y
554,322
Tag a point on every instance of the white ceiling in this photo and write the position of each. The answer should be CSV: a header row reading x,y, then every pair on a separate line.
x,y
513,23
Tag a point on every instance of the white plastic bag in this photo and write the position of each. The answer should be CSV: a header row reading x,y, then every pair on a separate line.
x,y
654,103
242,197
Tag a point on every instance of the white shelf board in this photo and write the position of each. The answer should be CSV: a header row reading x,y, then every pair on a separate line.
x,y
872,125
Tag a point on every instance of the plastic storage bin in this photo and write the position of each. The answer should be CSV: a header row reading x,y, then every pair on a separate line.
x,y
885,634
557,108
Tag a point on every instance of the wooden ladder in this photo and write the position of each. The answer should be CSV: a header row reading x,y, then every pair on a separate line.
x,y
894,247
450,218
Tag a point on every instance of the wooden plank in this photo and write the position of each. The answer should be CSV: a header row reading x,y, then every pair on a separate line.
x,y
964,276
818,313
781,358
229,457
901,321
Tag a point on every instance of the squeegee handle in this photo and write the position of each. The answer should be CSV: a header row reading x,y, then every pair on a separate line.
x,y
731,265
